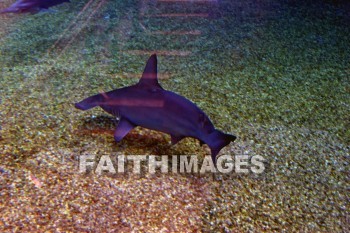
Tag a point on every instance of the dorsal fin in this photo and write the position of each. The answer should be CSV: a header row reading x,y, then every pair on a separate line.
x,y
149,77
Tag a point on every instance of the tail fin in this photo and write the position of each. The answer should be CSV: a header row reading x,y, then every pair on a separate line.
x,y
90,102
7,10
218,140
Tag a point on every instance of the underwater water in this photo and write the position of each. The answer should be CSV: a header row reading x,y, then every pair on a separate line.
x,y
274,73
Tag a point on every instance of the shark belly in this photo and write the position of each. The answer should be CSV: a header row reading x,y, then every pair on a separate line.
x,y
178,117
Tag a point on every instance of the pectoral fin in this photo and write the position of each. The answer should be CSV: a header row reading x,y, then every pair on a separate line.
x,y
123,128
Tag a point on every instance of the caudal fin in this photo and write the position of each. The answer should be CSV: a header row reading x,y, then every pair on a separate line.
x,y
90,102
218,140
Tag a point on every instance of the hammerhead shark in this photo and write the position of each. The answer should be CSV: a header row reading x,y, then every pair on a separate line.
x,y
32,6
148,105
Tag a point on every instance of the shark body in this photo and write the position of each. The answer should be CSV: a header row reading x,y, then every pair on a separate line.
x,y
148,105
31,6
